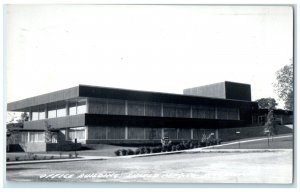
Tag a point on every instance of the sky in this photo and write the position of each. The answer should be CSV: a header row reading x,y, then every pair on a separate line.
x,y
163,48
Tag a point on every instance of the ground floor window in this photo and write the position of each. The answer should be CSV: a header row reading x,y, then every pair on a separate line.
x,y
24,137
76,133
32,137
36,137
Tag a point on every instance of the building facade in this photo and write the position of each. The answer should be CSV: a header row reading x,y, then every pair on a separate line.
x,y
93,115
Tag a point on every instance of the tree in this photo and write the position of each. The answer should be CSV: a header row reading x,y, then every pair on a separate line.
x,y
284,85
266,103
48,133
24,117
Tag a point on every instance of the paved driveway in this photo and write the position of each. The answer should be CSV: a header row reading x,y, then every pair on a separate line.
x,y
251,167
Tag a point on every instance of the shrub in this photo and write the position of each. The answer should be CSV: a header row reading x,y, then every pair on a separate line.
x,y
148,150
202,144
124,152
178,147
45,157
153,150
70,155
164,149
143,150
17,158
30,155
156,150
159,149
174,148
118,152
34,157
169,147
130,152
138,151
52,157
191,146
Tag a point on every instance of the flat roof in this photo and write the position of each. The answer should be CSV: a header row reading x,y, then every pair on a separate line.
x,y
88,91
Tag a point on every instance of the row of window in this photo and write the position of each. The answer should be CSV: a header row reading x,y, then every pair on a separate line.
x,y
59,111
108,133
32,137
118,107
140,133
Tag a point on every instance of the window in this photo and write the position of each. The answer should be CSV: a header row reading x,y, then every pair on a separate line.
x,y
198,133
52,111
169,110
135,108
36,137
81,107
184,133
228,113
97,132
76,108
233,113
72,109
42,115
76,133
203,112
222,113
116,107
153,133
35,116
152,109
98,106
171,133
61,110
115,132
183,111
136,133
24,137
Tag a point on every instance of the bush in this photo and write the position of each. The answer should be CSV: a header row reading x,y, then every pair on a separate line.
x,y
70,155
130,152
148,150
143,150
52,157
174,148
191,145
17,158
118,152
202,144
138,151
156,150
169,147
34,157
164,149
186,145
124,152
30,155
178,147
153,150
